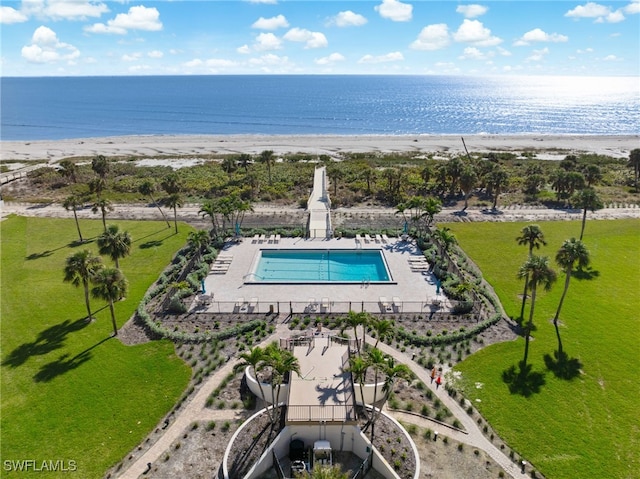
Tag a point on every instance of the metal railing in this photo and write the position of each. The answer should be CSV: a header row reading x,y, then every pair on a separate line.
x,y
319,413
428,309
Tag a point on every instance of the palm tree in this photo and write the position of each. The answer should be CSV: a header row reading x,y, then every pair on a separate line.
x,y
198,240
171,184
377,360
381,327
229,165
335,174
115,243
358,369
592,174
97,186
369,175
102,205
100,165
256,359
244,160
587,199
174,201
498,180
147,188
446,237
211,209
535,271
533,237
571,252
80,269
282,362
432,206
110,285
72,203
354,320
468,181
392,372
634,162
267,158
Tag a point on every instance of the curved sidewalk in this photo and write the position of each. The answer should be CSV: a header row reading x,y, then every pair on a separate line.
x,y
474,436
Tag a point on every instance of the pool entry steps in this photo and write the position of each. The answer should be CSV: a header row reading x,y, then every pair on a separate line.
x,y
319,206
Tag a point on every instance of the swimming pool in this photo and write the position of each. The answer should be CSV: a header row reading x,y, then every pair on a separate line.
x,y
320,266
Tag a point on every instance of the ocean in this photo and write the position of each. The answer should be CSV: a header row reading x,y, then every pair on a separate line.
x,y
50,108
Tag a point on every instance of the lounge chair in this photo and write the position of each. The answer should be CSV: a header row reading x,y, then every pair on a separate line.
x,y
262,238
385,239
396,304
255,238
421,259
358,238
271,239
384,304
367,238
239,306
253,303
324,305
378,239
277,240
312,305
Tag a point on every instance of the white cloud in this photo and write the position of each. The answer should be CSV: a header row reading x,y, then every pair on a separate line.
x,y
586,50
46,48
613,17
244,49
632,8
473,31
395,10
611,58
472,11
266,2
504,52
155,54
267,41
196,62
137,18
73,9
389,57
270,60
588,10
347,19
472,53
272,23
131,57
10,15
537,55
538,35
432,37
311,39
331,59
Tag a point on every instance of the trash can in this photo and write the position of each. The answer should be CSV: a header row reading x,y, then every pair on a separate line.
x,y
271,309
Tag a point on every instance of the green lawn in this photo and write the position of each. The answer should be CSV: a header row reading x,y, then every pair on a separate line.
x,y
69,391
581,428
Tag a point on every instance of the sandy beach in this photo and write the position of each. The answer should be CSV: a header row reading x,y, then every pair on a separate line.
x,y
545,146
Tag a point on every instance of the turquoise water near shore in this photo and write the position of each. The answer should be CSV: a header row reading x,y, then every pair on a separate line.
x,y
54,108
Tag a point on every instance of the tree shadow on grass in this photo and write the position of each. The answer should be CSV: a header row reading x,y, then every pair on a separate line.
x,y
523,382
585,273
64,364
151,244
562,365
47,340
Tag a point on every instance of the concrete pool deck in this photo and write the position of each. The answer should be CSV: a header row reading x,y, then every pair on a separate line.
x,y
410,290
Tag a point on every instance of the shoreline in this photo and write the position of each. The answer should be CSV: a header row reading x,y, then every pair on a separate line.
x,y
545,146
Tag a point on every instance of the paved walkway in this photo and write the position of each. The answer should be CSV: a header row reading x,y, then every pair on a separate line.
x,y
196,410
473,437
319,206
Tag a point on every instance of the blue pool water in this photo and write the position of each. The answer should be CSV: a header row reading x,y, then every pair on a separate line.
x,y
312,266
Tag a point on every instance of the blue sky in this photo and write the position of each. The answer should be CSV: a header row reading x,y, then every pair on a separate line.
x,y
79,37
